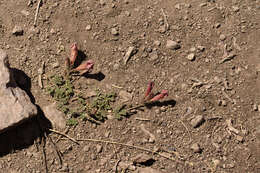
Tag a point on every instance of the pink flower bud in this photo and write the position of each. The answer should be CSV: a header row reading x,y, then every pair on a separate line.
x,y
85,66
73,53
160,96
149,89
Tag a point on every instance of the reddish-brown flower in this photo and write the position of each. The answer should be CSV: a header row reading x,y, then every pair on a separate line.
x,y
85,67
149,89
160,96
73,53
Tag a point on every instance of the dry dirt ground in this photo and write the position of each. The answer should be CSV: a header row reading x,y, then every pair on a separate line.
x,y
220,83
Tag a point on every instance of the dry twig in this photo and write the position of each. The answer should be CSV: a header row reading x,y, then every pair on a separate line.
x,y
37,12
165,20
131,146
60,133
186,129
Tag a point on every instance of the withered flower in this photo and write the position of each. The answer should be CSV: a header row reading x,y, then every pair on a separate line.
x,y
73,53
85,67
160,96
149,90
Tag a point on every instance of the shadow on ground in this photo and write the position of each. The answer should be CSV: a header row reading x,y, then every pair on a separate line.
x,y
24,135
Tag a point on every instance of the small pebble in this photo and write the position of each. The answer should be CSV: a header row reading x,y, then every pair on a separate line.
x,y
222,37
17,31
88,27
102,2
217,25
196,148
201,48
99,148
197,121
114,31
255,107
191,57
239,138
157,43
173,45
127,13
153,56
235,8
192,49
56,65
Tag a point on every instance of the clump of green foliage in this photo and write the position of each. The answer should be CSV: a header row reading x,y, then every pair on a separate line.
x,y
61,90
120,112
101,105
72,122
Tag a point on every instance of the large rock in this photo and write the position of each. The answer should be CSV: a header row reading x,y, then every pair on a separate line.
x,y
15,104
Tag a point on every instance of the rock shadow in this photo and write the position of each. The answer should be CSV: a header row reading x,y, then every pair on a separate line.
x,y
97,76
81,57
23,81
25,134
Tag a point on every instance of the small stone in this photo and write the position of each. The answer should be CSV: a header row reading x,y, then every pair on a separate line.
x,y
191,57
196,148
192,49
107,134
52,31
173,45
114,31
217,25
201,48
197,121
153,56
56,64
239,138
102,2
116,66
224,103
88,27
255,107
55,116
99,148
178,6
235,8
222,37
157,43
127,13
159,131
17,31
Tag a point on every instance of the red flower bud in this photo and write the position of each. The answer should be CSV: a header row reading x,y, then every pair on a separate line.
x,y
85,66
160,96
149,89
73,53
